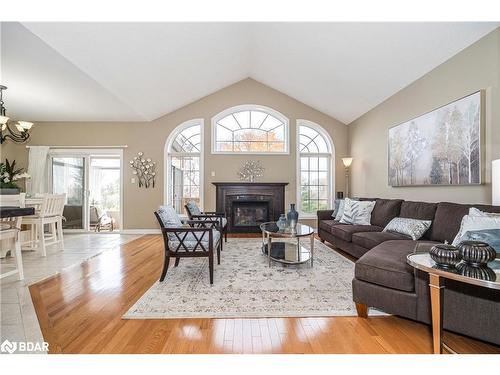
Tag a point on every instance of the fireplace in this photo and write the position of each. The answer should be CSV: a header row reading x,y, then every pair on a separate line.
x,y
249,214
247,205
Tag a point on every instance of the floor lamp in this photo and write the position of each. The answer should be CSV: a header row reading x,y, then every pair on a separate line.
x,y
495,182
347,163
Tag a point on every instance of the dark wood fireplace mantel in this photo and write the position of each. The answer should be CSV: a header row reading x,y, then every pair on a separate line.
x,y
248,204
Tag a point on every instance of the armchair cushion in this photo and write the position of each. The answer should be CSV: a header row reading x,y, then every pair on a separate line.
x,y
191,240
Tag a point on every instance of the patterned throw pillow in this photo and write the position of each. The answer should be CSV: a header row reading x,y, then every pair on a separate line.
x,y
193,208
169,217
357,212
490,236
340,210
413,228
476,220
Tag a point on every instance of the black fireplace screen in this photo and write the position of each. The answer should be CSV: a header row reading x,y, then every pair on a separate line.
x,y
250,214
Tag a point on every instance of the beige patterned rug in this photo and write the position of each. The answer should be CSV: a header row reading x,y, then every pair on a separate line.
x,y
245,287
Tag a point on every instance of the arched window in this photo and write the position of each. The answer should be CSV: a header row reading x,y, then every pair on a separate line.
x,y
183,165
250,129
315,171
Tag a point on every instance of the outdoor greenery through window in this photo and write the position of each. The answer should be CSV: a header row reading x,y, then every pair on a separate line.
x,y
314,170
250,131
184,154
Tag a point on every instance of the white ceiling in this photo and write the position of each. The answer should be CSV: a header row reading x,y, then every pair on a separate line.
x,y
141,71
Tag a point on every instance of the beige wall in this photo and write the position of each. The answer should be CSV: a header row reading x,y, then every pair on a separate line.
x,y
150,138
475,68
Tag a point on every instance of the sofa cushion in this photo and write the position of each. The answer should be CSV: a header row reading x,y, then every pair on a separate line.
x,y
386,265
449,217
385,210
371,239
327,225
345,232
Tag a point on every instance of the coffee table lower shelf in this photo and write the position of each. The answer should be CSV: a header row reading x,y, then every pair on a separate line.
x,y
288,253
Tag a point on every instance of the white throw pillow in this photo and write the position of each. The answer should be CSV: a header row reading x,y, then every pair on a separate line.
x,y
357,212
413,228
473,211
340,210
472,223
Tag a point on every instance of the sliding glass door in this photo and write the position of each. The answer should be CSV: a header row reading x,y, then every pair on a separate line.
x,y
68,176
104,193
92,182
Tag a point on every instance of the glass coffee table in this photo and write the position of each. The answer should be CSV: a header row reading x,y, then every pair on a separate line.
x,y
287,252
488,278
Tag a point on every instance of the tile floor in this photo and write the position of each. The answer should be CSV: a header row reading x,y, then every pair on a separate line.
x,y
18,321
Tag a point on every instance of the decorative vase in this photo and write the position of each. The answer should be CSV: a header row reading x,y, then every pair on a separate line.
x,y
445,256
476,253
281,223
292,216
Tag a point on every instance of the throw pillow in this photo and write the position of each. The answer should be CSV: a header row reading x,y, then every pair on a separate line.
x,y
490,236
473,211
169,217
472,223
340,211
357,212
413,228
336,206
193,208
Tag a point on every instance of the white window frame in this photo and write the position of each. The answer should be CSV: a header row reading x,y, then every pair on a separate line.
x,y
251,107
331,169
167,155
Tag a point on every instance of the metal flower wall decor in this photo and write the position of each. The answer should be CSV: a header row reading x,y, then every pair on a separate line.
x,y
144,169
251,170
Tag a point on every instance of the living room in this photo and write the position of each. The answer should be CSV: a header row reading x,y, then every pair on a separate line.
x,y
215,188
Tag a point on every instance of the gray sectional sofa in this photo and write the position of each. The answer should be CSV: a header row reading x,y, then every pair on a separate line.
x,y
384,280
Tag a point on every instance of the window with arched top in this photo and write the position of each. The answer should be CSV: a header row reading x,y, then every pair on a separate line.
x,y
183,165
250,129
314,168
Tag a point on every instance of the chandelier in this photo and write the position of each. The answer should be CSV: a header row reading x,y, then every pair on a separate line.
x,y
16,131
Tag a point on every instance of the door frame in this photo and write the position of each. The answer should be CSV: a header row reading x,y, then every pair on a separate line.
x,y
87,154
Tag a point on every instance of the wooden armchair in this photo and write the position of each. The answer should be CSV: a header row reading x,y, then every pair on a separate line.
x,y
194,213
197,239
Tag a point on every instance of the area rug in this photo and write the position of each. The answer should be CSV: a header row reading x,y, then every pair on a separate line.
x,y
246,287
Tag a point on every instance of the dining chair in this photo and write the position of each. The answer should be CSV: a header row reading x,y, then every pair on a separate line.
x,y
51,213
9,231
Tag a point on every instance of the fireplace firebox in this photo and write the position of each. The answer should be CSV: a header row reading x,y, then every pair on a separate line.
x,y
247,214
247,205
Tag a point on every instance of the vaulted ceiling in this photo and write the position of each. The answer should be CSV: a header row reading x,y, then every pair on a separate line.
x,y
141,71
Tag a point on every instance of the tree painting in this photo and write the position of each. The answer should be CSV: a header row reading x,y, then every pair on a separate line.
x,y
441,147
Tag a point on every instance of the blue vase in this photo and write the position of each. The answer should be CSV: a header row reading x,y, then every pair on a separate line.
x,y
281,223
292,216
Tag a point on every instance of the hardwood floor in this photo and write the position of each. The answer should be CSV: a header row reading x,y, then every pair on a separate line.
x,y
80,311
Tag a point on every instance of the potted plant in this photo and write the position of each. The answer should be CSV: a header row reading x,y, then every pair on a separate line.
x,y
9,176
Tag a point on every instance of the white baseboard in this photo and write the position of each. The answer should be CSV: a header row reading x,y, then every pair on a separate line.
x,y
141,231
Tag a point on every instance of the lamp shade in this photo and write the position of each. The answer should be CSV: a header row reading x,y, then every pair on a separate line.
x,y
347,162
25,124
495,182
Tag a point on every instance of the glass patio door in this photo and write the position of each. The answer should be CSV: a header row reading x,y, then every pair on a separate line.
x,y
92,182
68,176
104,193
